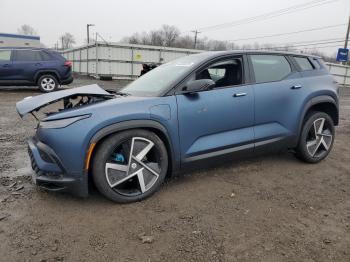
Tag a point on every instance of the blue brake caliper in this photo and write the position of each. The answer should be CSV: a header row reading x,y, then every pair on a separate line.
x,y
119,157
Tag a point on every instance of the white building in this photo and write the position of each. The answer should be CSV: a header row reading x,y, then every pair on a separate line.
x,y
15,40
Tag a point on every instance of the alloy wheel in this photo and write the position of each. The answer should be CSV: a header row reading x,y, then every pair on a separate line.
x,y
319,138
133,167
48,84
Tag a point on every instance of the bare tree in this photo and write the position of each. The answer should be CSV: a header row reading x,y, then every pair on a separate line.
x,y
156,38
170,33
67,40
133,39
216,45
185,42
26,30
144,38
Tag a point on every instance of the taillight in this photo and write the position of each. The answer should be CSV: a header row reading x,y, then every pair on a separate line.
x,y
68,63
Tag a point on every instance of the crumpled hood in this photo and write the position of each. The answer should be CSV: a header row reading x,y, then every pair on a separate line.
x,y
30,104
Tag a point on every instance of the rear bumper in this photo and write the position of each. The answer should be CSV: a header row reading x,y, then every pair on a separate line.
x,y
67,81
50,174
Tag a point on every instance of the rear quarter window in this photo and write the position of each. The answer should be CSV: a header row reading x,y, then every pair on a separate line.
x,y
45,56
321,63
57,55
304,63
270,68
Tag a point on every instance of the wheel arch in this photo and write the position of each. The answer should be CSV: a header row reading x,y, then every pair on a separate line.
x,y
149,125
46,72
324,103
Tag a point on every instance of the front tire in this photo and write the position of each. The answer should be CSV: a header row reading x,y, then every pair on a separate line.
x,y
317,137
47,83
130,166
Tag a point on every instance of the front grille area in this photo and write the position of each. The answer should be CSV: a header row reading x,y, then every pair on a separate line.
x,y
54,175
33,163
44,156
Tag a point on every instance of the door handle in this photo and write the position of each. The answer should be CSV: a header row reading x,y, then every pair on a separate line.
x,y
296,87
239,94
6,65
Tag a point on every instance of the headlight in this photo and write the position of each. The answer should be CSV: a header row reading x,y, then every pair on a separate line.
x,y
61,123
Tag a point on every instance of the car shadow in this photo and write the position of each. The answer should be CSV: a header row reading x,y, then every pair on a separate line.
x,y
174,181
19,89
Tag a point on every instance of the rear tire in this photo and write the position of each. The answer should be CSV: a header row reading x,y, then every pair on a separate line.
x,y
47,83
316,138
130,166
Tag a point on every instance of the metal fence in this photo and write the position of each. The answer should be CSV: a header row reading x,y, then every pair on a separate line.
x,y
124,61
340,72
119,60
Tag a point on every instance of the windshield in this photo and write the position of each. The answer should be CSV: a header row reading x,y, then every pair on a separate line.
x,y
160,79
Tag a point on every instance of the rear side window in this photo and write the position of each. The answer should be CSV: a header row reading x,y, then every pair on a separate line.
x,y
57,55
320,63
269,68
303,63
45,56
27,55
5,55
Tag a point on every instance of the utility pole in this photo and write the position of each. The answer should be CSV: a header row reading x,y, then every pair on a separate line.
x,y
88,32
347,39
87,47
196,32
347,35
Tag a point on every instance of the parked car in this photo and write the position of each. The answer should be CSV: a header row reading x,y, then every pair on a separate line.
x,y
34,66
176,116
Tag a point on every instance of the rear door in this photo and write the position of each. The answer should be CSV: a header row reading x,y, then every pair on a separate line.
x,y
218,121
6,69
278,99
26,63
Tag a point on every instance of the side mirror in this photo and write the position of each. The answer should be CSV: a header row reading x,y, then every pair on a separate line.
x,y
198,85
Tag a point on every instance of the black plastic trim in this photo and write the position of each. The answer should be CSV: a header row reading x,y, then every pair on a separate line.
x,y
314,101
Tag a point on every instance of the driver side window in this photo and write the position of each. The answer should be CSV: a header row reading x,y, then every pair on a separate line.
x,y
225,73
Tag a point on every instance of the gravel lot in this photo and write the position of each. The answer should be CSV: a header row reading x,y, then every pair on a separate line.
x,y
273,208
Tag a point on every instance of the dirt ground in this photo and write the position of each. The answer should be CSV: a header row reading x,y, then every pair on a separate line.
x,y
273,208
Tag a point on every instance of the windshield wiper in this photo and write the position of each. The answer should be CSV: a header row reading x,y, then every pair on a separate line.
x,y
120,93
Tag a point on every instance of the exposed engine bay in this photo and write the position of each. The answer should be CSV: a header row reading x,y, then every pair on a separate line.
x,y
59,101
72,102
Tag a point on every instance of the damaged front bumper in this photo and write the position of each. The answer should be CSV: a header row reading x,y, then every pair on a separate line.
x,y
50,173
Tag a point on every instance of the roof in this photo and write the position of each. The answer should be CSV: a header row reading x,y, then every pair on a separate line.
x,y
234,52
23,48
31,37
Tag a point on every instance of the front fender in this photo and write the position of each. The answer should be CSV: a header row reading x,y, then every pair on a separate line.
x,y
145,124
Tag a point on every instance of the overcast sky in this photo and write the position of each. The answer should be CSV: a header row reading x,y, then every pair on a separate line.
x,y
116,19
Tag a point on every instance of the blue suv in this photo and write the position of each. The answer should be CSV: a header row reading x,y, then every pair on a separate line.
x,y
195,110
34,66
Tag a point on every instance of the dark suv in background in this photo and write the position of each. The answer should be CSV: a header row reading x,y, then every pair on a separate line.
x,y
34,66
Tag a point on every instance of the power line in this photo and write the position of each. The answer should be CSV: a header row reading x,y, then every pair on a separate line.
x,y
311,41
317,47
289,33
302,45
269,15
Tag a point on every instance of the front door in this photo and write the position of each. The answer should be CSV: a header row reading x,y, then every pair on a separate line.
x,y
218,121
